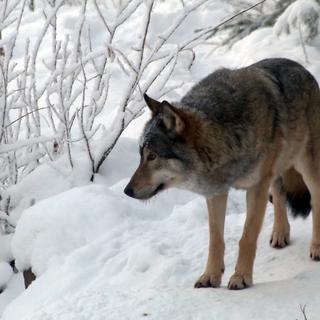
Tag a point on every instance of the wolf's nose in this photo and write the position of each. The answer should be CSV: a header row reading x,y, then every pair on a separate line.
x,y
129,191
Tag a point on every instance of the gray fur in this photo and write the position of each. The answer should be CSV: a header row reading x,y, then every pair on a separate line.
x,y
249,128
239,107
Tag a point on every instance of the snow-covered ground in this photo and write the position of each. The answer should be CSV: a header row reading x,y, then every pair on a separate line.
x,y
100,255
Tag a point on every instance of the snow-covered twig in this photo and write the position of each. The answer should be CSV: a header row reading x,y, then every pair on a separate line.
x,y
209,32
81,120
25,143
303,310
5,225
303,45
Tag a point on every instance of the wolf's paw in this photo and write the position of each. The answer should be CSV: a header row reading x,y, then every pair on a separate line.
x,y
209,280
279,239
238,282
315,252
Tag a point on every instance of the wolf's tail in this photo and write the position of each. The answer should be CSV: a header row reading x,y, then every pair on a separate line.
x,y
297,193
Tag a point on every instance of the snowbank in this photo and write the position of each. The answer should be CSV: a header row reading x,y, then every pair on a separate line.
x,y
301,14
52,229
5,274
100,256
97,253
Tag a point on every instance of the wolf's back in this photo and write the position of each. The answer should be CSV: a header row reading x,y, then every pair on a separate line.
x,y
225,94
290,77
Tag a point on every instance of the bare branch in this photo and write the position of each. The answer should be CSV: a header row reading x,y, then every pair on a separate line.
x,y
82,120
303,310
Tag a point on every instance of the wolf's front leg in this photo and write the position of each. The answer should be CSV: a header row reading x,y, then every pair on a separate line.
x,y
257,198
215,264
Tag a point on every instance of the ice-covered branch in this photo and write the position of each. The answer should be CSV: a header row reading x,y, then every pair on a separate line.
x,y
51,102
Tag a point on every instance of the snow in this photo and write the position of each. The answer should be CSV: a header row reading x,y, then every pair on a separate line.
x,y
301,13
98,254
13,288
5,274
43,232
47,180
101,253
5,248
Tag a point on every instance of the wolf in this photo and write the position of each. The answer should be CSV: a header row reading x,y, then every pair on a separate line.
x,y
255,128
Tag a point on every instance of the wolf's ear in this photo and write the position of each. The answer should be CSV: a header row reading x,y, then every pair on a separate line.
x,y
171,118
154,105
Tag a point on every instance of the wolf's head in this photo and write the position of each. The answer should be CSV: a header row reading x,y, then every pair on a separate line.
x,y
165,152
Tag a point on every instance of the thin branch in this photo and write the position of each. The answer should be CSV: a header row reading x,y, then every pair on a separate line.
x,y
302,44
303,310
104,21
25,115
82,120
207,32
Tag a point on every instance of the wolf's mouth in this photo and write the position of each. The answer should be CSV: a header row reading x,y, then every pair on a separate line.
x,y
159,188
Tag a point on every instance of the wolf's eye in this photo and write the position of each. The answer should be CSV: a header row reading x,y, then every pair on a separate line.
x,y
151,156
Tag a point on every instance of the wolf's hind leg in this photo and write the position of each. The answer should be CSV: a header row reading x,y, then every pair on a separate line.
x,y
257,198
215,263
311,176
280,236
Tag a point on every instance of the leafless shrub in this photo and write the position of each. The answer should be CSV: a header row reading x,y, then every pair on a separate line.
x,y
41,119
302,16
251,18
